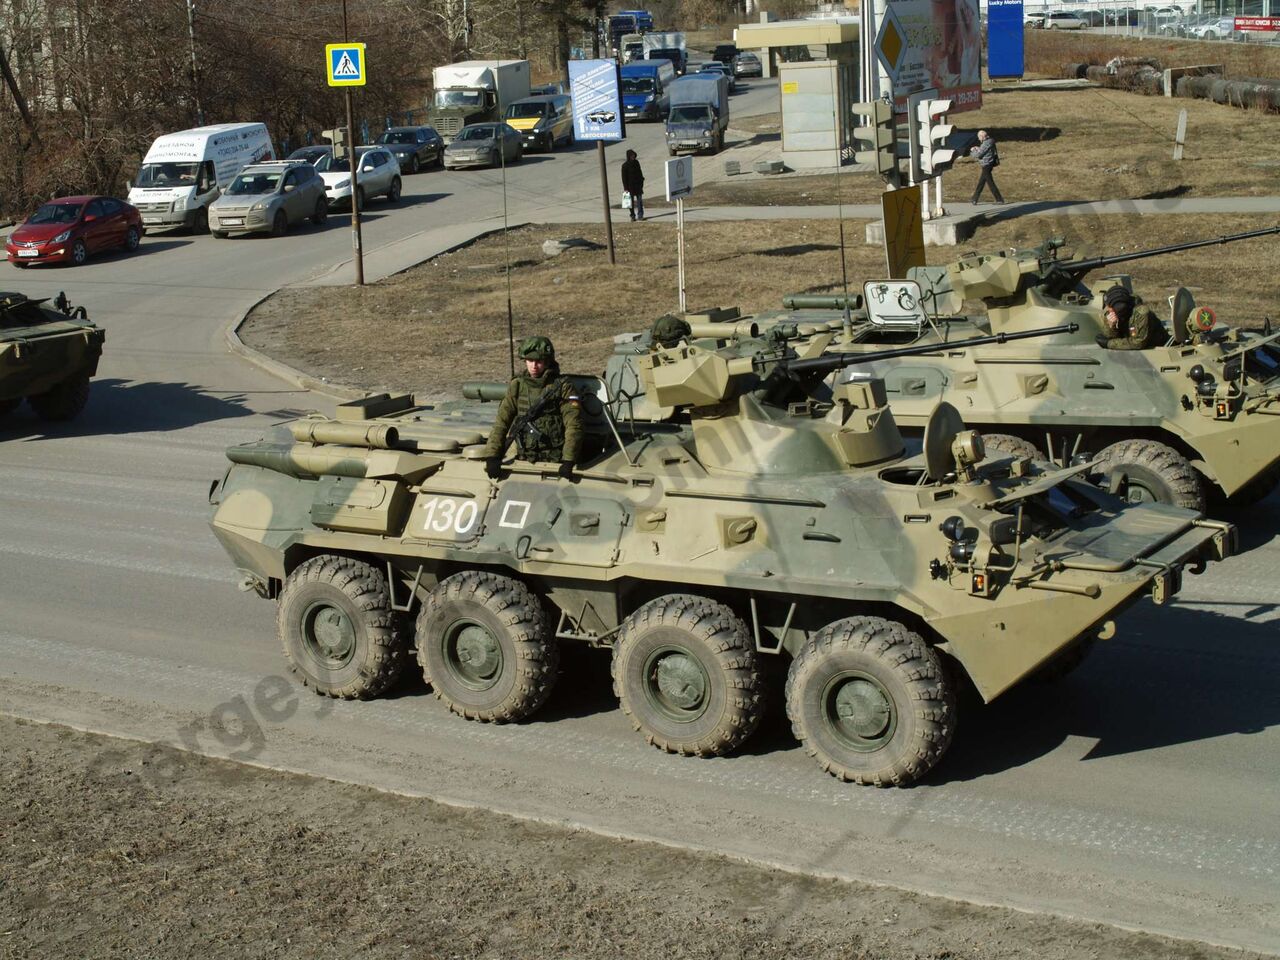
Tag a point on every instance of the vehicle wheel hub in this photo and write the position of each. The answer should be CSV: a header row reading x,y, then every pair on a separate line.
x,y
677,684
329,634
860,711
474,655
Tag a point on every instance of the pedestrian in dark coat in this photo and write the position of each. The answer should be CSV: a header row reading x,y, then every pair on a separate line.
x,y
988,158
633,183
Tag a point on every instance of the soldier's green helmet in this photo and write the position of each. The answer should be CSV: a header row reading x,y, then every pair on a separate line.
x,y
537,348
668,330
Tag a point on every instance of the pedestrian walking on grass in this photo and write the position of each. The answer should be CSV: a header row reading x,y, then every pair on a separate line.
x,y
633,184
988,158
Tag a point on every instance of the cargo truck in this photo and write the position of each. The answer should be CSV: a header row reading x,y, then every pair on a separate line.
x,y
668,45
474,91
699,114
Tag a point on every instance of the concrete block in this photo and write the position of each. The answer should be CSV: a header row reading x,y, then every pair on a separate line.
x,y
769,166
732,168
1174,74
943,232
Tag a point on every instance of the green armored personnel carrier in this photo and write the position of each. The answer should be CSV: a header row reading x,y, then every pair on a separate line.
x,y
47,355
731,506
1193,417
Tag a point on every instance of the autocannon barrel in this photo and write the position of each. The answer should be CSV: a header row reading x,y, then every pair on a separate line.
x,y
834,361
1078,268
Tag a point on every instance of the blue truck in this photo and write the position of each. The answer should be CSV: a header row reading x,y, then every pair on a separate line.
x,y
643,18
645,87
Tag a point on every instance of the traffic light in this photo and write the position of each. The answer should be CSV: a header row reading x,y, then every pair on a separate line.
x,y
338,137
932,131
880,136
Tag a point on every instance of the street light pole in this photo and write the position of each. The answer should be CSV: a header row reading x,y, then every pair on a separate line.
x,y
195,73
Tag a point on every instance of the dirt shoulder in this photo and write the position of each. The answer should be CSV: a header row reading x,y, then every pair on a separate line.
x,y
121,849
437,325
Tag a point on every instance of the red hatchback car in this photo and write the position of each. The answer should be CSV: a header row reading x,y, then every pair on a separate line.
x,y
69,229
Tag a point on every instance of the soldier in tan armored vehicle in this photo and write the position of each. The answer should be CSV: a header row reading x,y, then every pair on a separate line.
x,y
730,505
539,412
1186,415
1131,324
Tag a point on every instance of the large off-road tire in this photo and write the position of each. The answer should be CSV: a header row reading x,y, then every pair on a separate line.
x,y
63,401
686,672
485,647
338,628
871,702
1007,443
1154,472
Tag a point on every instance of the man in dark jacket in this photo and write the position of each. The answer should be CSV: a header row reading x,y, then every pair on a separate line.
x,y
633,183
988,159
555,432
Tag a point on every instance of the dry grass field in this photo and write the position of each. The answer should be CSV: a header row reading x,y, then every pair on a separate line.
x,y
441,323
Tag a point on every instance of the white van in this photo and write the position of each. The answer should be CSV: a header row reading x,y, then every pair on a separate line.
x,y
184,172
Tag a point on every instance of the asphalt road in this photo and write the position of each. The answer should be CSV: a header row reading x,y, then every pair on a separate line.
x,y
1142,791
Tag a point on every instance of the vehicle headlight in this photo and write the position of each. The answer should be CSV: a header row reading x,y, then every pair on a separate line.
x,y
64,236
342,183
180,203
260,205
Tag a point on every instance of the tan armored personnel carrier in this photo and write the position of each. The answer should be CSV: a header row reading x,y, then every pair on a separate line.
x,y
732,506
1195,417
48,354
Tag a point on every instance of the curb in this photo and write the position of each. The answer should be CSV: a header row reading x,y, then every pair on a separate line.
x,y
300,378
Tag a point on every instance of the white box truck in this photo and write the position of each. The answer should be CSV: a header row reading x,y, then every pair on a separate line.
x,y
668,45
184,172
475,91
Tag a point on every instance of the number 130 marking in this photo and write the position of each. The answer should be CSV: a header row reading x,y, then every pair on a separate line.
x,y
445,515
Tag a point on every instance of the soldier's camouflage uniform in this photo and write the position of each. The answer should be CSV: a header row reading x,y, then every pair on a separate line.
x,y
1144,330
555,435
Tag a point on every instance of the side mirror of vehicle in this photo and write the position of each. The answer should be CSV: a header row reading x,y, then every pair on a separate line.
x,y
90,217
368,169
288,187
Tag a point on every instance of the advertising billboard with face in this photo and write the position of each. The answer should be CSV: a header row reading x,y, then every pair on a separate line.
x,y
925,44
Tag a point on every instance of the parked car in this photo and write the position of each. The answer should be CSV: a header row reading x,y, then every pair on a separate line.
x,y
747,65
542,121
722,69
1219,28
379,176
311,155
724,53
269,197
1091,18
69,229
1062,21
1121,17
483,145
414,147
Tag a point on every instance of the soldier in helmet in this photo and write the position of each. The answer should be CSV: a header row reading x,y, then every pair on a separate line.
x,y
668,330
541,410
1132,324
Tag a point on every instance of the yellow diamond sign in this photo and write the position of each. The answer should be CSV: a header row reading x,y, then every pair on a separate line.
x,y
891,43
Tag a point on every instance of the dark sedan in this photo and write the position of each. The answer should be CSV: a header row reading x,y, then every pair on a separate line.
x,y
414,147
69,229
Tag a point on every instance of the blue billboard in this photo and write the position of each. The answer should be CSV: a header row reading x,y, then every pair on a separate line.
x,y
597,109
1004,40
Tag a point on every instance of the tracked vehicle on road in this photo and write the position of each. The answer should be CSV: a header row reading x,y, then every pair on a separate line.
x,y
48,354
733,505
1191,421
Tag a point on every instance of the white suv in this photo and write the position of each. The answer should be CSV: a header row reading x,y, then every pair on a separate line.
x,y
379,176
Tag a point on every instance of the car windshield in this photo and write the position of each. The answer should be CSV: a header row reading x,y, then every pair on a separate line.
x,y
637,84
481,131
253,184
399,136
327,164
518,111
459,98
693,113
56,213
167,175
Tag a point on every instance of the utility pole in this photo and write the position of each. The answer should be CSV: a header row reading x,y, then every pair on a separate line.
x,y
353,159
195,73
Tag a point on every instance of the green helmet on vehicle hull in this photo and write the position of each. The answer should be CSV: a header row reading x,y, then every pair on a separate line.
x,y
731,504
47,355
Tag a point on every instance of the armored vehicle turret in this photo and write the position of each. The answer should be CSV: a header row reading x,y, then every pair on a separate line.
x,y
731,505
47,355
1193,416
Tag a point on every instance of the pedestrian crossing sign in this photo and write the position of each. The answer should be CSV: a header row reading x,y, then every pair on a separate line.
x,y
346,64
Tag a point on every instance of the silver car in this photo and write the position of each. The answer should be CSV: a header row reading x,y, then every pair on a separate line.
x,y
483,145
269,197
